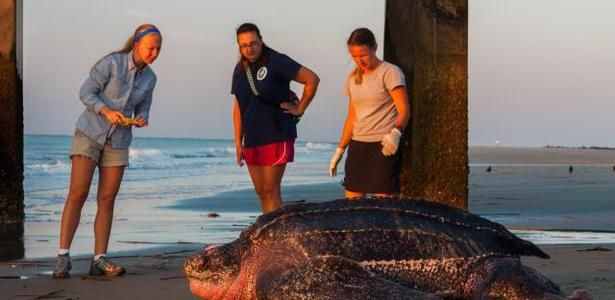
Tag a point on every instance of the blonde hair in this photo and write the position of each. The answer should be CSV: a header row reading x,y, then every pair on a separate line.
x,y
130,43
357,74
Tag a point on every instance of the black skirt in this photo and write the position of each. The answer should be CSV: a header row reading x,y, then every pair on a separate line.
x,y
367,170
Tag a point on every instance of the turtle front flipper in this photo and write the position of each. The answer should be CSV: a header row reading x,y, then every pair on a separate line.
x,y
333,277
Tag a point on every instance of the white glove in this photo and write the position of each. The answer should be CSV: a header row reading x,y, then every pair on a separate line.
x,y
390,142
335,159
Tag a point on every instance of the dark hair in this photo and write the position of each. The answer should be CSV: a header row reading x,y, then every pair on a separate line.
x,y
131,40
251,27
361,37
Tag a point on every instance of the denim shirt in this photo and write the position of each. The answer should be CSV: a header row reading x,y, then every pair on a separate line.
x,y
115,83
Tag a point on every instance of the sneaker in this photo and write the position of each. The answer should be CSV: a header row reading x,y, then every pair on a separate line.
x,y
103,266
63,267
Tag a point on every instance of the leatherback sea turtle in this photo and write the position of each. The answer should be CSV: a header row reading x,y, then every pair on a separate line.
x,y
370,249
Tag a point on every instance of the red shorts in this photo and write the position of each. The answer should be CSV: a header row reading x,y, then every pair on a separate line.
x,y
273,154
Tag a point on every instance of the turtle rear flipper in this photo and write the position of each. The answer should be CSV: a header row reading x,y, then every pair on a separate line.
x,y
333,277
507,278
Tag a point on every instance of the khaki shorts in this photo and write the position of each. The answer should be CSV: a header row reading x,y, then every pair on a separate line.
x,y
104,156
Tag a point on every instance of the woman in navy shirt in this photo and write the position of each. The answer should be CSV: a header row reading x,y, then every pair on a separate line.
x,y
266,111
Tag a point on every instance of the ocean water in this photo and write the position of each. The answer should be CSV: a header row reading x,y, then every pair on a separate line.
x,y
162,172
162,168
172,185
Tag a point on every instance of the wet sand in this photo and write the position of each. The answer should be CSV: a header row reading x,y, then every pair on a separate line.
x,y
573,268
156,273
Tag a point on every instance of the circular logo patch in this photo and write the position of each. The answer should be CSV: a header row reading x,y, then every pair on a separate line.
x,y
262,73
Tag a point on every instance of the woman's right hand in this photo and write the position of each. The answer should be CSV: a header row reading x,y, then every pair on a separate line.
x,y
239,155
335,159
112,116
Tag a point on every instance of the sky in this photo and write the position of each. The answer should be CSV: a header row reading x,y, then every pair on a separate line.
x,y
540,72
63,38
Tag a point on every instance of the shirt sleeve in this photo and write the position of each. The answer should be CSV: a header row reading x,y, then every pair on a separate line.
x,y
235,79
347,84
142,109
286,67
393,78
91,88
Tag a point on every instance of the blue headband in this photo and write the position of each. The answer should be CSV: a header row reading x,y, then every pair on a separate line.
x,y
145,32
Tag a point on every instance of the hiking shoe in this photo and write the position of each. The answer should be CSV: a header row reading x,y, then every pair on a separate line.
x,y
104,267
63,267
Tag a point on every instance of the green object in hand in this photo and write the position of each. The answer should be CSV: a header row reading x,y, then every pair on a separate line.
x,y
126,122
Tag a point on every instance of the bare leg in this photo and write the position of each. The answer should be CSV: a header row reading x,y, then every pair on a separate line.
x,y
267,181
271,188
108,187
82,170
256,174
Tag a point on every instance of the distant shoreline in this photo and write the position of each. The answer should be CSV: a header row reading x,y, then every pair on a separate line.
x,y
580,147
477,146
540,155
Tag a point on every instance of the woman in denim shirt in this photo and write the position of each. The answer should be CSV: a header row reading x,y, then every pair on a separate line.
x,y
119,87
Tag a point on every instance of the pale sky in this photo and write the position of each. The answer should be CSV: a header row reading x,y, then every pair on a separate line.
x,y
63,38
541,72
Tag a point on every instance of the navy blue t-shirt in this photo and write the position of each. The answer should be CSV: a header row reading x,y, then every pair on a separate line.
x,y
262,120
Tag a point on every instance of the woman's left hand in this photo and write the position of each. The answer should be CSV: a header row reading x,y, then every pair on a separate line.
x,y
140,122
291,108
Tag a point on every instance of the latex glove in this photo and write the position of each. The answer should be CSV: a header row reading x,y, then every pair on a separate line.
x,y
335,159
390,142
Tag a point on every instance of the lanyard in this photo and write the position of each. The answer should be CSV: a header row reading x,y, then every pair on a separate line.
x,y
251,79
110,132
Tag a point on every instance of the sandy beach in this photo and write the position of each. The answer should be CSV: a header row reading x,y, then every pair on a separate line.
x,y
572,267
162,216
158,275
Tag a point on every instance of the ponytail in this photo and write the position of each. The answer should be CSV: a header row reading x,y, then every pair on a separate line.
x,y
130,42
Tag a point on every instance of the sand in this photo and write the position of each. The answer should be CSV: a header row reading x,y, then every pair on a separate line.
x,y
153,276
573,269
159,275
156,273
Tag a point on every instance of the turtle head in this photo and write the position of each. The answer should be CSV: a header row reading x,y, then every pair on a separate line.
x,y
213,270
